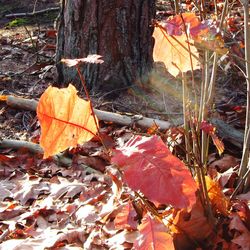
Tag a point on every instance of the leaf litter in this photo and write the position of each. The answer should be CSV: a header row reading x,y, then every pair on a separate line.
x,y
45,206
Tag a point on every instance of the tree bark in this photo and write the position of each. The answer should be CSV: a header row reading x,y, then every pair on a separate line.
x,y
118,30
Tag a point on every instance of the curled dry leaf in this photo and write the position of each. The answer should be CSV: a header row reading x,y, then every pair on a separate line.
x,y
153,235
150,167
66,120
88,59
225,163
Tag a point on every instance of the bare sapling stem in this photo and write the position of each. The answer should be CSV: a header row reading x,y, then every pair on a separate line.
x,y
245,155
91,106
186,117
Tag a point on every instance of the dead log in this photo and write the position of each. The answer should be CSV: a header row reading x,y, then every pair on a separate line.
x,y
225,131
60,159
22,103
228,133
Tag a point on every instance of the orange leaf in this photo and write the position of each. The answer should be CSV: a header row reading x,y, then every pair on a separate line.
x,y
65,119
153,235
218,199
174,52
3,97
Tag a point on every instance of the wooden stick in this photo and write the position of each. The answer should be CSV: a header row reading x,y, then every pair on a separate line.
x,y
29,104
228,133
34,148
15,15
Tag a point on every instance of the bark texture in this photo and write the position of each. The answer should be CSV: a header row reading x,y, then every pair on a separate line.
x,y
119,30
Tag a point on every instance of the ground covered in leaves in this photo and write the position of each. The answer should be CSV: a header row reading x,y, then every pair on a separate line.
x,y
68,202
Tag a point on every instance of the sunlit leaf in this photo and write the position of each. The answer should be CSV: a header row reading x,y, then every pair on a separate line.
x,y
218,199
174,52
153,236
3,97
65,119
88,59
150,167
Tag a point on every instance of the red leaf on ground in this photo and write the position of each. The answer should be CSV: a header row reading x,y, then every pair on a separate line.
x,y
125,219
150,167
153,235
242,234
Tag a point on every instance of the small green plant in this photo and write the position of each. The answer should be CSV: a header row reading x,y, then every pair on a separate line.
x,y
17,22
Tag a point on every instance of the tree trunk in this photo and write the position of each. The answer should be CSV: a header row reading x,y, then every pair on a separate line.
x,y
118,30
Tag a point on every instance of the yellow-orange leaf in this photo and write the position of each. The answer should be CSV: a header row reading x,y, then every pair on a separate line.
x,y
174,52
218,200
65,119
3,97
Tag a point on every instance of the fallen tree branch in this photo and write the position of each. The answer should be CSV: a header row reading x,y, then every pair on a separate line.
x,y
34,148
22,103
228,133
225,131
60,159
27,14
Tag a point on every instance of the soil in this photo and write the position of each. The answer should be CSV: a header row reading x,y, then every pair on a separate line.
x,y
26,60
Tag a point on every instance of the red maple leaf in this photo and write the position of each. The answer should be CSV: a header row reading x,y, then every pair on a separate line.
x,y
150,167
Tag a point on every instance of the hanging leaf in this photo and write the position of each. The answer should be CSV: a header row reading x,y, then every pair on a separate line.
x,y
150,167
210,130
174,52
153,236
66,120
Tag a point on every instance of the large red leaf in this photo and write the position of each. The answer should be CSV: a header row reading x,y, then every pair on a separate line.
x,y
66,120
150,167
153,235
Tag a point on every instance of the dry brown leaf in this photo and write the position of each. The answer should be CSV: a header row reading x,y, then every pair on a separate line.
x,y
190,223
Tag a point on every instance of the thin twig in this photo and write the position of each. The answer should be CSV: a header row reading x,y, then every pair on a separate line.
x,y
27,14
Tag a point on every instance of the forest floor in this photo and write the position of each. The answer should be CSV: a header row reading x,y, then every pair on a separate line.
x,y
47,206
